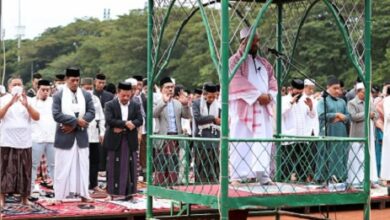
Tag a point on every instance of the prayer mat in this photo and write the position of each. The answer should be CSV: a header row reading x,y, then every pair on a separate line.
x,y
81,209
25,211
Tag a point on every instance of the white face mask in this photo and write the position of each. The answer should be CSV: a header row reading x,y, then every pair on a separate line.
x,y
90,91
16,90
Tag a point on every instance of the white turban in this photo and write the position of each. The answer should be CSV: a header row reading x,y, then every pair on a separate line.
x,y
359,86
245,32
309,82
132,81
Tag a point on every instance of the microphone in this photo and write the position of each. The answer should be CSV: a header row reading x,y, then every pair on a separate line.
x,y
275,52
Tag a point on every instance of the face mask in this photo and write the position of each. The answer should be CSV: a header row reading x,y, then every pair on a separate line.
x,y
16,90
90,91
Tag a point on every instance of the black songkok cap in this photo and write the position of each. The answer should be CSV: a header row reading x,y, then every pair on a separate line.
x,y
165,80
333,81
72,72
198,91
297,84
60,77
375,88
43,82
139,78
218,87
124,86
100,76
210,87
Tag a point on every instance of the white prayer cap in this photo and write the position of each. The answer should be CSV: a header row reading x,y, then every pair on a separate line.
x,y
309,82
245,32
2,89
359,86
132,81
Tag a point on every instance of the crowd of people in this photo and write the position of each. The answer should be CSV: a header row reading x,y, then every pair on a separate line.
x,y
87,127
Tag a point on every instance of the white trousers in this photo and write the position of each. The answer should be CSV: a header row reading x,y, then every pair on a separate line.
x,y
72,172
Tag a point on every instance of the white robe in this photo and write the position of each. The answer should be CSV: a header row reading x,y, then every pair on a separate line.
x,y
385,171
72,165
72,174
248,158
356,160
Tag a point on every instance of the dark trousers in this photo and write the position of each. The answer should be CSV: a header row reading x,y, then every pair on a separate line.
x,y
93,164
102,158
297,158
142,153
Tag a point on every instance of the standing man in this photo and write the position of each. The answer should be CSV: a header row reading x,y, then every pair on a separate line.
x,y
356,151
385,160
142,130
331,162
295,111
43,131
312,126
104,96
123,117
73,110
96,130
16,114
168,113
33,90
251,97
207,119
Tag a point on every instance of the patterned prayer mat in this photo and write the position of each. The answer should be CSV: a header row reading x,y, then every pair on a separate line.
x,y
82,209
17,209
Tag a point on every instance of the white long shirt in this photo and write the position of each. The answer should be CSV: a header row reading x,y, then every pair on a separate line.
x,y
43,130
16,125
294,116
96,127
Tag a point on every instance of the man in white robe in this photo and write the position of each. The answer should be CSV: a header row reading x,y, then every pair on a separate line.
x,y
73,110
296,157
251,97
385,160
356,152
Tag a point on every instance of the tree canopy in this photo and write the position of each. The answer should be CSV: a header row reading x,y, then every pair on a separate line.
x,y
118,49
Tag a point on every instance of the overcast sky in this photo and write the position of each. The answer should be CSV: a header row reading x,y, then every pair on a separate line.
x,y
37,15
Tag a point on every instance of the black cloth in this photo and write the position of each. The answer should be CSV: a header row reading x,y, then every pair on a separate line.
x,y
103,96
297,158
93,164
113,117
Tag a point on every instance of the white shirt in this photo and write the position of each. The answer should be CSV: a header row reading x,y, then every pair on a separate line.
x,y
171,117
124,111
43,130
16,125
96,127
294,116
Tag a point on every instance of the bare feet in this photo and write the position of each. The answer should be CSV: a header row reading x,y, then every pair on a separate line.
x,y
98,189
87,200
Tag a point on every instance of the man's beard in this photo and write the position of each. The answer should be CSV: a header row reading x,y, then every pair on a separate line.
x,y
253,52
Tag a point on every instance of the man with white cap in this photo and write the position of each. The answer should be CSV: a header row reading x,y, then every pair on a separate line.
x,y
251,98
356,152
295,111
311,123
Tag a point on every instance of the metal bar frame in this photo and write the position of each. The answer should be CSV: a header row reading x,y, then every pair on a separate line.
x,y
223,202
